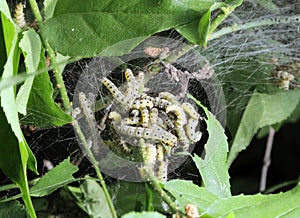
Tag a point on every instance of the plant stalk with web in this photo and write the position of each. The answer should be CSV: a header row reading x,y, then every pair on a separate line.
x,y
67,105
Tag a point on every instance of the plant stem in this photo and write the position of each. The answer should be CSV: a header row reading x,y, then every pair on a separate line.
x,y
157,187
149,197
95,165
222,16
51,53
257,23
267,160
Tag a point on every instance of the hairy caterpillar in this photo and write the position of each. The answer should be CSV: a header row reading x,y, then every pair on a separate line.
x,y
187,107
147,133
190,130
20,16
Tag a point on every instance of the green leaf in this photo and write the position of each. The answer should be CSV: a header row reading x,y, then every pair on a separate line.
x,y
213,168
13,209
30,45
8,25
49,6
185,192
276,205
94,200
54,179
42,110
17,156
198,32
87,28
143,215
262,110
203,28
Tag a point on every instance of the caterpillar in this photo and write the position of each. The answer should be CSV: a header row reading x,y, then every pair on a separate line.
x,y
170,97
153,116
145,117
161,103
114,91
187,107
131,91
183,138
142,103
149,155
167,120
155,134
86,105
180,115
146,97
134,113
20,16
125,147
131,121
190,130
162,169
115,116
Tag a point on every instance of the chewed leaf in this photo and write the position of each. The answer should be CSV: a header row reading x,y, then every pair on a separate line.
x,y
13,209
276,205
213,167
186,192
42,110
30,45
262,110
54,179
94,202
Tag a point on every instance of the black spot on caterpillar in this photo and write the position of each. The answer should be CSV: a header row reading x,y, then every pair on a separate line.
x,y
157,134
190,130
187,107
180,115
114,91
131,91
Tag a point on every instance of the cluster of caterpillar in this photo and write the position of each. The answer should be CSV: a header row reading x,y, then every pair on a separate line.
x,y
160,120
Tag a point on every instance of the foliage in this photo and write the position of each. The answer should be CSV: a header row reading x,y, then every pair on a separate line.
x,y
85,29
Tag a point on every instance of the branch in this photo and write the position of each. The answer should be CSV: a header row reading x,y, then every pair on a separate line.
x,y
267,160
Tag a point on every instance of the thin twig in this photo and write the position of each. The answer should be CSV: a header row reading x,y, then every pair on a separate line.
x,y
267,160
